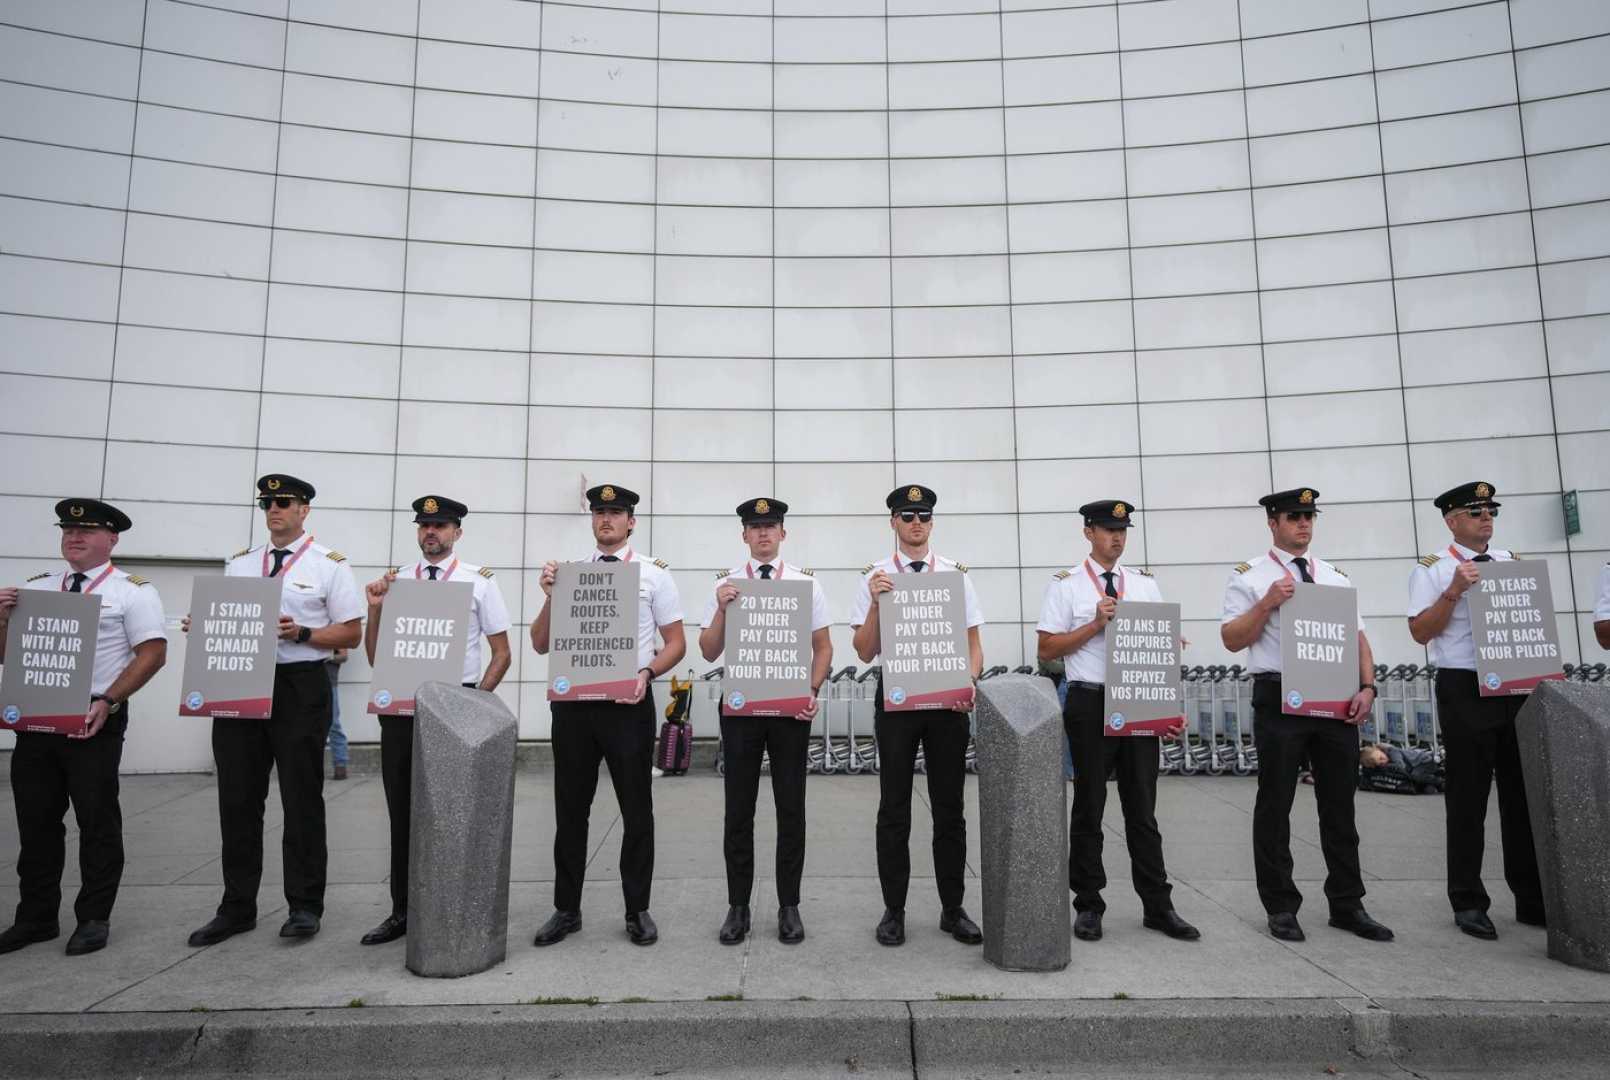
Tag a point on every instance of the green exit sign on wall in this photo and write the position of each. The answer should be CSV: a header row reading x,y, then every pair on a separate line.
x,y
1573,516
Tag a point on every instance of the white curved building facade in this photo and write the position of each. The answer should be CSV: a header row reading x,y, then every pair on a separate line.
x,y
1177,251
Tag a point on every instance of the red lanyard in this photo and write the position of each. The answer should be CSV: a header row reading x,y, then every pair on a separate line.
x,y
777,569
285,567
1101,589
419,573
86,590
903,567
1455,553
1286,569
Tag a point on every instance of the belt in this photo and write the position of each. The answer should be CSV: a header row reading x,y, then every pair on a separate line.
x,y
1266,676
1079,684
299,665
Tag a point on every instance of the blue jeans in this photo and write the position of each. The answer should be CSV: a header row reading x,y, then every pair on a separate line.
x,y
1067,747
337,739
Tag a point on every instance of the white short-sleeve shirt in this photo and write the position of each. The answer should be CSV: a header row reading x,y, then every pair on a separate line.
x,y
131,614
1601,609
1249,581
898,563
1070,602
820,619
658,603
318,590
487,613
1430,578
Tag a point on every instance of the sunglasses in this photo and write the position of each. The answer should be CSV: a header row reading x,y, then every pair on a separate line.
x,y
908,516
1481,513
282,502
1299,515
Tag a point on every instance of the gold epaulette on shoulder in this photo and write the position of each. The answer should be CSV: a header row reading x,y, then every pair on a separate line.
x,y
395,570
868,568
485,571
962,567
1242,568
335,556
242,551
1428,560
722,573
1141,570
662,564
1061,575
806,572
41,574
136,579
1340,571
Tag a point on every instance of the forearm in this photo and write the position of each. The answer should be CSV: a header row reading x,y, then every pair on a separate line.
x,y
865,640
1243,630
1056,646
1601,631
821,658
676,647
336,635
371,633
498,666
539,628
975,651
149,656
713,638
1433,620
1366,661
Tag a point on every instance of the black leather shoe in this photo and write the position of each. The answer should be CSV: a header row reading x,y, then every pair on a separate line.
x,y
1475,922
790,930
1359,922
560,925
90,937
1087,926
220,929
24,934
892,927
954,921
300,924
1170,923
735,927
641,929
1283,925
391,928
1531,917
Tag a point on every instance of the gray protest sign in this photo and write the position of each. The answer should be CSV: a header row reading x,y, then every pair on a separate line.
x,y
767,649
922,635
229,662
50,661
1512,623
422,639
1145,694
1319,650
592,631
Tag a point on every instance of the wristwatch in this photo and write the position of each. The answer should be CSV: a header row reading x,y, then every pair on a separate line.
x,y
112,704
1371,687
303,633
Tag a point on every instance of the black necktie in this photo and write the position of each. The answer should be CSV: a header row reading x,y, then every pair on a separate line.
x,y
78,583
1483,557
433,571
1111,590
1302,568
917,565
609,558
765,570
280,555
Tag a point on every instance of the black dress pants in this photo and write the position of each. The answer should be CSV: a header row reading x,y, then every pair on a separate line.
x,y
622,737
1478,737
743,740
942,734
1134,759
47,773
397,777
1331,749
291,741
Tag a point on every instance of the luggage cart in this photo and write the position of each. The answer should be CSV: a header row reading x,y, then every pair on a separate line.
x,y
712,693
1394,726
862,749
1228,752
1420,706
1368,732
836,703
1197,738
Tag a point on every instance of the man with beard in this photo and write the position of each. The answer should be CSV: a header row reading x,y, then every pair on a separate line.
x,y
440,521
619,733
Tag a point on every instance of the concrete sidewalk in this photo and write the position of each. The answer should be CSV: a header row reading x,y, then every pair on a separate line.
x,y
172,885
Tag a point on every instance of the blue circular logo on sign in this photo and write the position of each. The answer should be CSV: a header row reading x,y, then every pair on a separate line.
x,y
1116,721
735,700
12,714
1493,681
1294,699
382,698
194,700
561,685
897,696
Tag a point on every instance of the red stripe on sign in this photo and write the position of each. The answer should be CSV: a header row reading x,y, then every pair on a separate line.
x,y
238,709
605,691
1520,686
